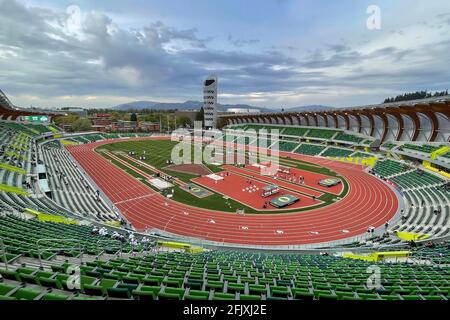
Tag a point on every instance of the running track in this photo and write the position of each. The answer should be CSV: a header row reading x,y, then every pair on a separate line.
x,y
369,202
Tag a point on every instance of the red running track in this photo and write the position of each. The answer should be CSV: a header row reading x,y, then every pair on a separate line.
x,y
369,202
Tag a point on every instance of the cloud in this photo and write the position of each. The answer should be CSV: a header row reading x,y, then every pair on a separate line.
x,y
241,42
46,54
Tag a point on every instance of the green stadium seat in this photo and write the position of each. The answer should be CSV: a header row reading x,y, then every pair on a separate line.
x,y
129,286
341,294
26,294
194,275
248,280
302,294
235,287
9,274
218,285
350,298
368,296
436,297
279,291
223,296
53,296
83,298
28,278
257,289
326,296
266,281
171,294
153,280
154,289
197,295
116,292
194,283
411,297
49,282
94,290
6,288
389,297
173,282
249,297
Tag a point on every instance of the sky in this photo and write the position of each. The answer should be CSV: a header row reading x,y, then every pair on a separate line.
x,y
271,53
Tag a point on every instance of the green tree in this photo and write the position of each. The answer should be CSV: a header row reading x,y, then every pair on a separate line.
x,y
151,117
220,123
82,124
184,121
201,116
133,117
65,120
115,116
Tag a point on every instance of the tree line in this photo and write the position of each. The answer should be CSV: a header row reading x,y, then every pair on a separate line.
x,y
167,119
416,95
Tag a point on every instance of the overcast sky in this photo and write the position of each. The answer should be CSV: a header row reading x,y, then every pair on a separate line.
x,y
275,53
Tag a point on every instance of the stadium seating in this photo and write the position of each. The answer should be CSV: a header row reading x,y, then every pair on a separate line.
x,y
70,189
308,132
388,145
416,179
320,133
359,154
387,168
287,146
89,138
18,159
309,149
336,152
30,129
421,148
341,136
293,131
428,212
20,237
436,253
366,142
222,275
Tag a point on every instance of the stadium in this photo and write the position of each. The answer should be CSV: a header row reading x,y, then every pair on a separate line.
x,y
110,206
237,159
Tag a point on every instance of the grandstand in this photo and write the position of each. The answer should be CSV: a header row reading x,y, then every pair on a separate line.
x,y
403,121
309,149
336,152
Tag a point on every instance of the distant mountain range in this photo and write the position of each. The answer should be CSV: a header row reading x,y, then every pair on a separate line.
x,y
196,105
